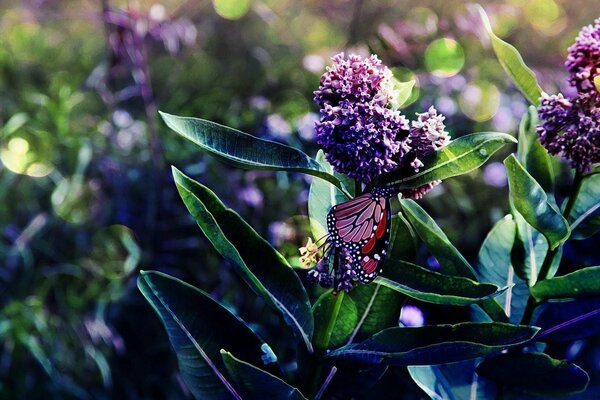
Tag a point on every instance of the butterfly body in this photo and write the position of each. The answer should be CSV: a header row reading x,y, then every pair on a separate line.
x,y
362,227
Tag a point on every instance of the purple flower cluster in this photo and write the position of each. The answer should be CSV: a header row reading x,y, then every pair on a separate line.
x,y
583,61
361,136
342,275
570,127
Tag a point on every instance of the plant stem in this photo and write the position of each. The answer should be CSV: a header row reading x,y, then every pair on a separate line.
x,y
322,341
548,260
326,383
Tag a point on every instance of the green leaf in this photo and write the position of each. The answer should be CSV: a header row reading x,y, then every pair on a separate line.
x,y
335,318
243,150
535,373
460,156
585,215
450,259
432,287
403,240
322,196
198,327
532,203
435,344
456,381
529,249
533,156
582,283
265,270
567,320
513,63
494,266
257,384
401,92
377,307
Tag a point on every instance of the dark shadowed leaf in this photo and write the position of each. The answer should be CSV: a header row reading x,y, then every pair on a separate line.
x,y
335,318
198,327
533,204
257,384
244,150
322,196
460,156
533,156
455,381
432,287
259,264
513,63
582,283
585,216
535,373
494,266
450,259
435,344
568,319
351,381
377,306
529,249
403,240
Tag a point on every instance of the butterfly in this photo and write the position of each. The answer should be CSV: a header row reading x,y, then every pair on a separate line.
x,y
362,227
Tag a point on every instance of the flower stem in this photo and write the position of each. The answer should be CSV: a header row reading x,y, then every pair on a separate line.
x,y
548,260
322,340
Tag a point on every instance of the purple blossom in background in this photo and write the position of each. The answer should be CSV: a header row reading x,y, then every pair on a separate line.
x,y
494,175
412,316
359,134
583,61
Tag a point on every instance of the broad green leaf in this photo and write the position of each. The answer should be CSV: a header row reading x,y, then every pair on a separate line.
x,y
432,287
512,62
198,327
435,344
335,318
535,373
450,259
529,249
585,215
533,156
403,240
377,307
582,283
460,156
494,266
456,381
258,263
244,150
322,196
532,203
257,384
401,92
567,320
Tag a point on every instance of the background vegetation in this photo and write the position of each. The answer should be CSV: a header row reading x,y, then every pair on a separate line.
x,y
86,189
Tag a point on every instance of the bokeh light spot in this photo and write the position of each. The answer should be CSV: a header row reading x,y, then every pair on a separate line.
x,y
231,9
19,158
545,16
444,57
480,101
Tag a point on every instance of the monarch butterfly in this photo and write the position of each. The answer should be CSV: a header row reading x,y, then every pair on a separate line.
x,y
361,226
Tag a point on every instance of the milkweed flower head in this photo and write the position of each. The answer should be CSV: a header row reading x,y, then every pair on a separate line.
x,y
360,134
570,127
583,60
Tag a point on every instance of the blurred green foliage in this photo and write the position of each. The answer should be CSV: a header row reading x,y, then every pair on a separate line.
x,y
87,200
